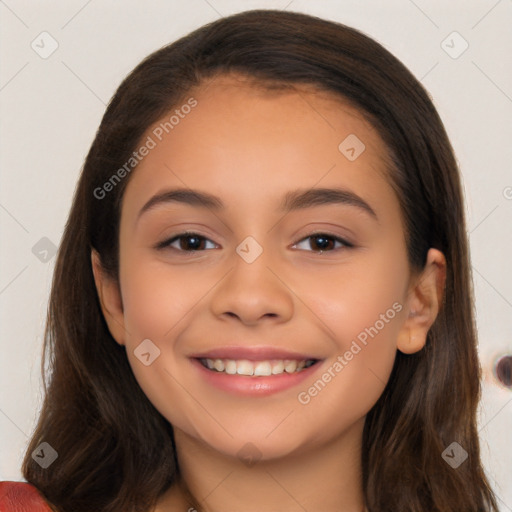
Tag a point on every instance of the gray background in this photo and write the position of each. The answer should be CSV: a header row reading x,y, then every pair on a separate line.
x,y
51,106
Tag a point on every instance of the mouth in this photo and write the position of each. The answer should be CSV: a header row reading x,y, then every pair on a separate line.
x,y
255,369
254,377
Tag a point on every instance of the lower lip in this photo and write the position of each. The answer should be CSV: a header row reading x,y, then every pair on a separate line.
x,y
256,386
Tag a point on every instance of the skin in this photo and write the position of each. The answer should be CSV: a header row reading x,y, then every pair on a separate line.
x,y
249,147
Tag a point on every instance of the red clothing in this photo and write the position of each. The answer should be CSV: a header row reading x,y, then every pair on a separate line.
x,y
21,497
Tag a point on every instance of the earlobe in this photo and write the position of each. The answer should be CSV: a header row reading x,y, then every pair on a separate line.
x,y
109,296
409,343
424,303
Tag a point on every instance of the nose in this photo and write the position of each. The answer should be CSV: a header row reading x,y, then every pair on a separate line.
x,y
253,292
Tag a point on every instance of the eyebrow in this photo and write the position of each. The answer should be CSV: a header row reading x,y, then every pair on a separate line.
x,y
293,200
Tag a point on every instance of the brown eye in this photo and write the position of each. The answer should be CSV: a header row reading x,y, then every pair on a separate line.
x,y
323,242
186,242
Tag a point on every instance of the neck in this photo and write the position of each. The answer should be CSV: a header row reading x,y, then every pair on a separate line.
x,y
323,477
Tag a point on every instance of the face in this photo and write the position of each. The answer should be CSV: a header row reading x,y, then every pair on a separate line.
x,y
259,282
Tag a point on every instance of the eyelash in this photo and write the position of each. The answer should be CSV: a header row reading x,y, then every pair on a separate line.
x,y
166,244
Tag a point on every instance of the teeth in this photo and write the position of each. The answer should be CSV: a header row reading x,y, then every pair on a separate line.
x,y
256,368
263,368
230,367
244,367
277,367
290,366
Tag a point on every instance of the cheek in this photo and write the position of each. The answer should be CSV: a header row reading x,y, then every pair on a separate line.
x,y
156,304
351,299
156,299
361,311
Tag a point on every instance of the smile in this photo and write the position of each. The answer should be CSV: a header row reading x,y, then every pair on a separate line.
x,y
256,368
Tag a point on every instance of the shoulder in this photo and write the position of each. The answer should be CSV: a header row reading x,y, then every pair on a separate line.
x,y
21,497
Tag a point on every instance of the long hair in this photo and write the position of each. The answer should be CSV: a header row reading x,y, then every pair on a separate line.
x,y
116,452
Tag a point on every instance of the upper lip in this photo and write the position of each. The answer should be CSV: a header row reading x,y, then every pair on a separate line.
x,y
255,353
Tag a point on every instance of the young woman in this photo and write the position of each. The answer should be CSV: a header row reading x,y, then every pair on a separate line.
x,y
262,298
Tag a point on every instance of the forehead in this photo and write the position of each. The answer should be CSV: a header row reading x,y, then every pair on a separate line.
x,y
244,142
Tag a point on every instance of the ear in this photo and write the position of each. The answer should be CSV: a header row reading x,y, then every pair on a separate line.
x,y
424,301
110,299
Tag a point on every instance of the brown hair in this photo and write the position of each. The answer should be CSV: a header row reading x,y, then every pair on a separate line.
x,y
116,451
